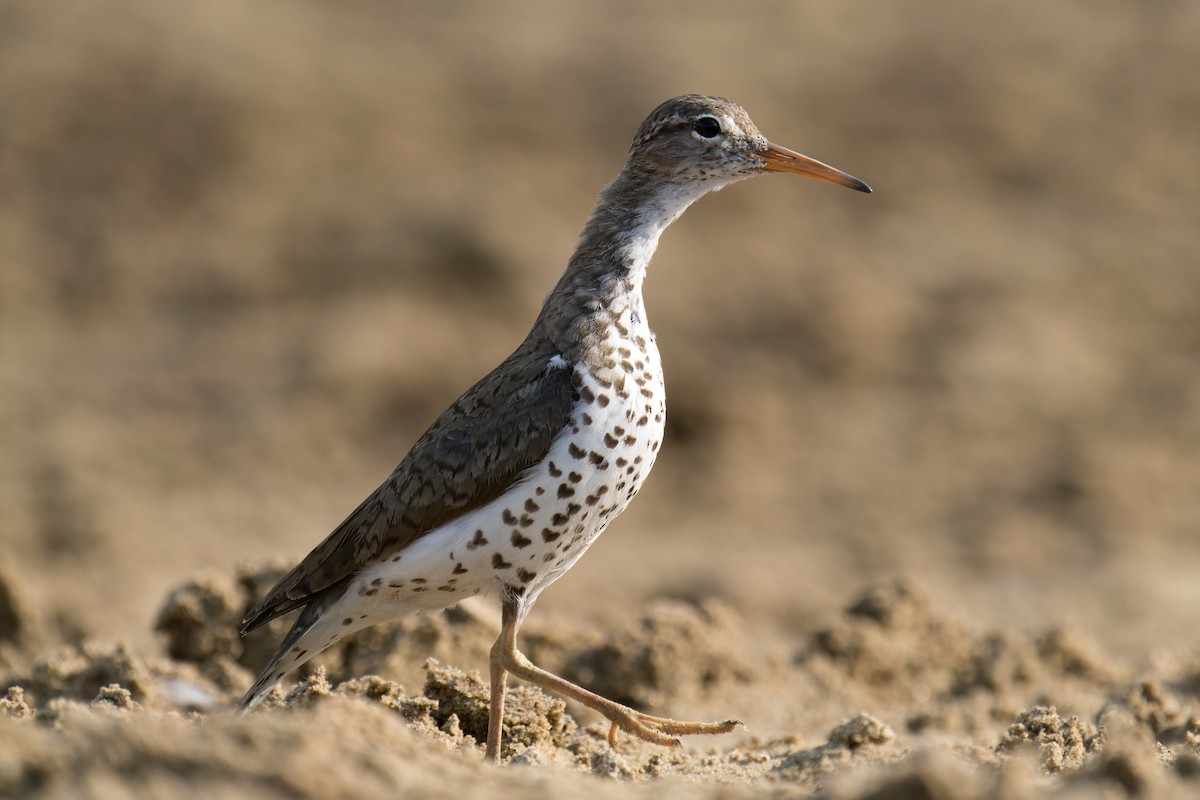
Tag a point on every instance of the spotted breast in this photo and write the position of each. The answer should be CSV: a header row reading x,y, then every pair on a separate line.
x,y
525,539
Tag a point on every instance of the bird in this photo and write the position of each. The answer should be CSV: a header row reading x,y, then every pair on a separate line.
x,y
512,484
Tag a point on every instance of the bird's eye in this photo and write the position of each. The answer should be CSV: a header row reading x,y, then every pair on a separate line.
x,y
708,127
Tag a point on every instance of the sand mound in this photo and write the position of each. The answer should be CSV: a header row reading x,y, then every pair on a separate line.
x,y
116,721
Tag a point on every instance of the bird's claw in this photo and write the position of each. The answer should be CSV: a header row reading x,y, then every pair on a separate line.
x,y
663,731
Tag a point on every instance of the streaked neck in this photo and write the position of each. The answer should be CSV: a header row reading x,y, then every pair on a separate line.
x,y
619,240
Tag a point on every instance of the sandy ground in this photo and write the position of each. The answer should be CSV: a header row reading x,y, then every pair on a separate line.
x,y
926,519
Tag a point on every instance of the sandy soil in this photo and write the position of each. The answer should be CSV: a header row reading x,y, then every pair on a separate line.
x,y
926,518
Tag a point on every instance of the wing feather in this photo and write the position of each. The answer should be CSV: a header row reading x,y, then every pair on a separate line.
x,y
472,454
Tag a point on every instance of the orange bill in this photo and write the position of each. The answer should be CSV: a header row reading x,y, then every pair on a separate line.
x,y
780,159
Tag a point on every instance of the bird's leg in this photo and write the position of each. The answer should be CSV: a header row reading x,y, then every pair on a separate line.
x,y
496,713
657,730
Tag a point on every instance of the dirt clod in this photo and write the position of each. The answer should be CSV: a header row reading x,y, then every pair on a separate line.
x,y
1064,743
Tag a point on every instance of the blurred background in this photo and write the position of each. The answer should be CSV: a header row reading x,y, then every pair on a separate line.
x,y
248,251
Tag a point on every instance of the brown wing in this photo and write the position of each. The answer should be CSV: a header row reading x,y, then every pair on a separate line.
x,y
474,452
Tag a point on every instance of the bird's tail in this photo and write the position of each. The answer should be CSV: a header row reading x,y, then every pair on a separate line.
x,y
313,633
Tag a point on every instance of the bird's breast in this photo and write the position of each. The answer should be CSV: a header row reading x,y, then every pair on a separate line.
x,y
524,540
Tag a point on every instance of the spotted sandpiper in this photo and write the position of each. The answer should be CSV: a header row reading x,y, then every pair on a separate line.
x,y
513,483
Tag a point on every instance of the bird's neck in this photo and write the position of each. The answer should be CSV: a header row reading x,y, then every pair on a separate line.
x,y
609,265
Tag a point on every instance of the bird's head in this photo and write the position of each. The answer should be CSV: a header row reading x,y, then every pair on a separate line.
x,y
711,140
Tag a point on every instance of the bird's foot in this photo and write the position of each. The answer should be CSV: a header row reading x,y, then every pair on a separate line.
x,y
660,730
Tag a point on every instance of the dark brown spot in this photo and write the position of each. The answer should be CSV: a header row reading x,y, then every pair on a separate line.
x,y
459,569
647,392
587,394
531,506
598,460
550,535
419,589
377,582
627,366
395,584
520,541
574,477
643,420
621,461
526,520
347,621
508,517
610,440
548,557
395,559
419,580
618,430
553,469
603,400
525,575
630,440
587,418
640,341
498,562
624,352
576,451
565,491
478,541
592,499
446,587
539,491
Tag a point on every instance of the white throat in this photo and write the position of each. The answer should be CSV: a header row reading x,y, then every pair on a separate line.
x,y
636,244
